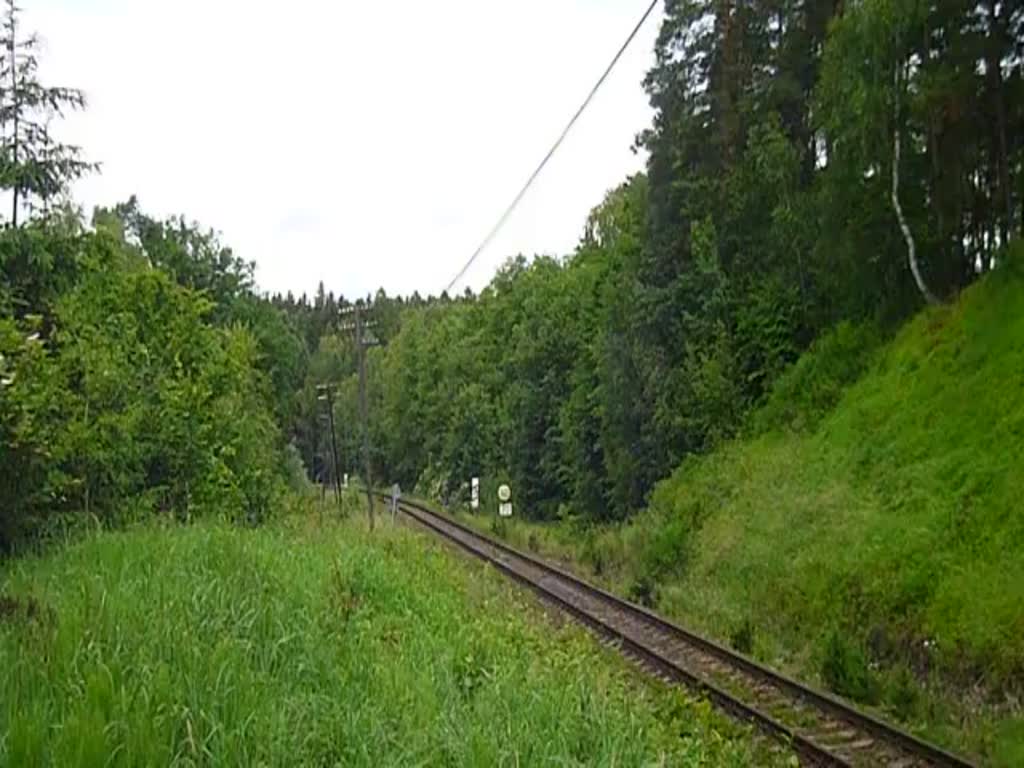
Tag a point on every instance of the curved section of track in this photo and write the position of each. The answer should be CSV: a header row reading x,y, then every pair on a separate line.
x,y
823,730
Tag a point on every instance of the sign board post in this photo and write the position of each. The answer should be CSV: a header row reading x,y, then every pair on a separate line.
x,y
504,501
396,494
474,494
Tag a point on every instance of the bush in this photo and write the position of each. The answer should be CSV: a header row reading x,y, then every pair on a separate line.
x,y
28,387
134,401
643,591
902,694
294,470
813,386
742,637
844,668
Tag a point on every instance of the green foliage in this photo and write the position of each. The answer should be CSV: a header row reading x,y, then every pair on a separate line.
x,y
742,637
32,162
864,491
877,496
28,388
664,549
39,264
312,646
938,74
123,397
764,221
844,668
281,354
807,392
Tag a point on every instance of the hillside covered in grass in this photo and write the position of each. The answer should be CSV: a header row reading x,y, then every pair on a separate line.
x,y
889,528
868,531
300,645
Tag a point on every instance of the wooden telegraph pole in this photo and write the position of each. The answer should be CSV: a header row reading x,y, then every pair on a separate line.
x,y
364,339
325,394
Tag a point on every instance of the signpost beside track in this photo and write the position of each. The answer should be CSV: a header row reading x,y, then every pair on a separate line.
x,y
504,501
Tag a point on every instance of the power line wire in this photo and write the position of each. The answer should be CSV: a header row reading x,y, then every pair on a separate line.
x,y
533,177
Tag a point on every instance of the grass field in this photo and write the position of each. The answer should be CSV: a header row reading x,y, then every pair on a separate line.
x,y
868,534
306,645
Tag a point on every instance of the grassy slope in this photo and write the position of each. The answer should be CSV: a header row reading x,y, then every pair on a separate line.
x,y
870,537
897,518
297,645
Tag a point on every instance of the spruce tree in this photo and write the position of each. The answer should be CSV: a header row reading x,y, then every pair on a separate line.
x,y
32,162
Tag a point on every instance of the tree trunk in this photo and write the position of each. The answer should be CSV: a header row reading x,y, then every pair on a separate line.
x,y
904,227
12,51
995,74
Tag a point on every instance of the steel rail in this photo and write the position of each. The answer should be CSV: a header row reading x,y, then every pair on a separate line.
x,y
807,746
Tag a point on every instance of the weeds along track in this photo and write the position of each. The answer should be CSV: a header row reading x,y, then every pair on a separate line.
x,y
822,729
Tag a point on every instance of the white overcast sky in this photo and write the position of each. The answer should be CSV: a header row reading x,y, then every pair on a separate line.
x,y
362,143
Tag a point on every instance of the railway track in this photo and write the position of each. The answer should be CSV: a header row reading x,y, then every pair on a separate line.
x,y
821,728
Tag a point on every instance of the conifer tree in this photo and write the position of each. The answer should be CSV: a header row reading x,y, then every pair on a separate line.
x,y
32,162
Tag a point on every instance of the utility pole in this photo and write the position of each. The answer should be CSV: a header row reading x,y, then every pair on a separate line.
x,y
364,339
325,394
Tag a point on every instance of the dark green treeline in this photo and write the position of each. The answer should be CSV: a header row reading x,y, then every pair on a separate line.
x,y
141,372
765,217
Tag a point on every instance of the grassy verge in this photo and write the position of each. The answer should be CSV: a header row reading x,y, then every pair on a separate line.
x,y
868,535
306,644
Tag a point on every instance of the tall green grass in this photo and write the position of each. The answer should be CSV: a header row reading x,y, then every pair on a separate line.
x,y
309,645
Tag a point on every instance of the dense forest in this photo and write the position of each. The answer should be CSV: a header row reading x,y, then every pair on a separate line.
x,y
809,163
140,371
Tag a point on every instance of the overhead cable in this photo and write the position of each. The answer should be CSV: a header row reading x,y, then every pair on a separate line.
x,y
533,177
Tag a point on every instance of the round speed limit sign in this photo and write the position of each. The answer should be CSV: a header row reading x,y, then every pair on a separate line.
x,y
504,492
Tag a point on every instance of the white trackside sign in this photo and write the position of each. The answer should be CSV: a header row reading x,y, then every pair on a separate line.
x,y
505,499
